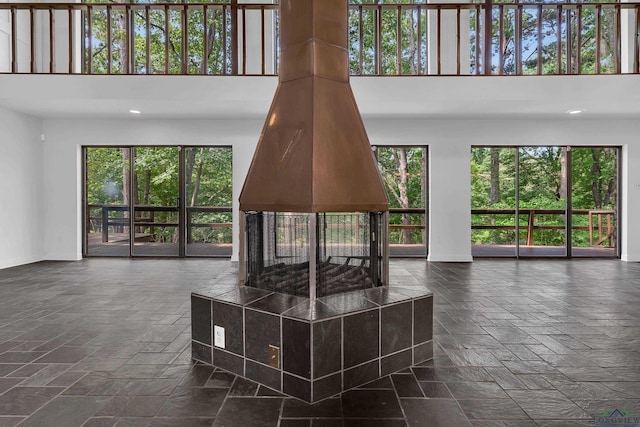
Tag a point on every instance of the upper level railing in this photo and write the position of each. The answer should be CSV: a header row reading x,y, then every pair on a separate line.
x,y
230,38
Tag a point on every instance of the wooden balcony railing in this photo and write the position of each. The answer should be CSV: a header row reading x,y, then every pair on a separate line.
x,y
228,38
600,224
106,219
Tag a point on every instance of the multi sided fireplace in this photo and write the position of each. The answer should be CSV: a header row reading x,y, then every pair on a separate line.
x,y
347,252
313,314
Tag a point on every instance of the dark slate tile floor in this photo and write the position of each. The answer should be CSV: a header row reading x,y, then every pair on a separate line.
x,y
106,342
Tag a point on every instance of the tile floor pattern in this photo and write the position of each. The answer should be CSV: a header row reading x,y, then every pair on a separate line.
x,y
105,342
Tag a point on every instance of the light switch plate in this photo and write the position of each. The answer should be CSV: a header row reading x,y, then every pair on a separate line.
x,y
218,336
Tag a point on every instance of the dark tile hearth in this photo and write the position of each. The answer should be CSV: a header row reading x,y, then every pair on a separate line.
x,y
106,342
371,335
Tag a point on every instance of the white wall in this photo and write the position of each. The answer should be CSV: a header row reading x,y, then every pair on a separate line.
x,y
23,40
21,207
449,35
628,29
62,171
253,31
42,39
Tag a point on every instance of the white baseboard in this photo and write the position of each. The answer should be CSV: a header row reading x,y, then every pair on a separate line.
x,y
14,262
450,258
64,257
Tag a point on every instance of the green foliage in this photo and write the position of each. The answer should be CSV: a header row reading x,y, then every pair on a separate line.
x,y
362,39
105,167
177,42
541,177
180,39
214,188
403,172
208,175
387,162
567,44
156,174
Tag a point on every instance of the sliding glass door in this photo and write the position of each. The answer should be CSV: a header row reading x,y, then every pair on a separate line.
x,y
208,186
158,201
594,197
493,200
564,198
107,220
156,183
542,201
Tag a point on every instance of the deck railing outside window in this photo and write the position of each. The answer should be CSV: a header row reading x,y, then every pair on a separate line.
x,y
231,38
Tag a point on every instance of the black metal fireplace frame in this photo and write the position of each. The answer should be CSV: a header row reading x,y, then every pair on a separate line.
x,y
373,262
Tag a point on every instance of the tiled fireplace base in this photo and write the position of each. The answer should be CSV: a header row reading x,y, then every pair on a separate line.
x,y
312,351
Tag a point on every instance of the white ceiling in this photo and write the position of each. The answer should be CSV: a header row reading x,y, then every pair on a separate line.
x,y
208,97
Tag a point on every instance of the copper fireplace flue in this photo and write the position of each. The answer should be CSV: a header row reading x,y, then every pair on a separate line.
x,y
313,154
314,157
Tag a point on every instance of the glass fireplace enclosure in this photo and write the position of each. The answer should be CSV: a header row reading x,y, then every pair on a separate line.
x,y
347,251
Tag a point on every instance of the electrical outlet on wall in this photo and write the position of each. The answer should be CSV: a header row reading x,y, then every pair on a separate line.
x,y
218,336
274,356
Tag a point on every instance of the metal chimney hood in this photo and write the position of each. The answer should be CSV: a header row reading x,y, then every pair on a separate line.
x,y
313,154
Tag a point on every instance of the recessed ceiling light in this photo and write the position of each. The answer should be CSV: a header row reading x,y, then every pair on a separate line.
x,y
134,111
574,112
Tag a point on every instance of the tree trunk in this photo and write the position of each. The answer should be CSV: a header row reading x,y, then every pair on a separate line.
x,y
398,188
494,196
129,199
126,180
610,194
136,195
191,160
211,36
124,43
596,172
196,186
562,192
400,155
413,47
147,187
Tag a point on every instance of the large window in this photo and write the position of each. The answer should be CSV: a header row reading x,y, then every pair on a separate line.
x,y
158,201
404,172
544,201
